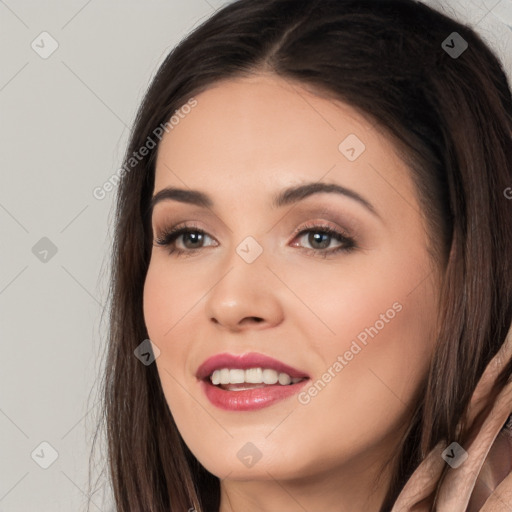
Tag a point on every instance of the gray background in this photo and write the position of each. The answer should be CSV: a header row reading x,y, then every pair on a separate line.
x,y
64,123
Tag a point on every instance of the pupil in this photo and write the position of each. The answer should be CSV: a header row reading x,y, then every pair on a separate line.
x,y
316,237
192,236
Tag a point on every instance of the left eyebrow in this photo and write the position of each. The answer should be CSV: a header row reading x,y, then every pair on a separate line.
x,y
285,197
294,194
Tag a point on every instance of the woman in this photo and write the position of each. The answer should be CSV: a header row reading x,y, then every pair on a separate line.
x,y
313,229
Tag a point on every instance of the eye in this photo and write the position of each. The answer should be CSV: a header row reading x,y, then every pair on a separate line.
x,y
320,237
192,239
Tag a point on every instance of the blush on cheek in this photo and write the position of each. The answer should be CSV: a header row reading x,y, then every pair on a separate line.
x,y
162,308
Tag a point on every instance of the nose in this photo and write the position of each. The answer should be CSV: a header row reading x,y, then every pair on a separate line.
x,y
246,297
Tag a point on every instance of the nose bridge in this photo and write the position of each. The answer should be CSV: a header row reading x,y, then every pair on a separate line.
x,y
245,290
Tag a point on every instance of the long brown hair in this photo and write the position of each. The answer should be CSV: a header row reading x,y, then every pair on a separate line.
x,y
449,116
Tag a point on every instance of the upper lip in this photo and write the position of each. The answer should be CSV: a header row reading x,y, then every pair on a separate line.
x,y
243,362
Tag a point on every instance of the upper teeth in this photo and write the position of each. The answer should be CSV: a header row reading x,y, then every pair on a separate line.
x,y
251,375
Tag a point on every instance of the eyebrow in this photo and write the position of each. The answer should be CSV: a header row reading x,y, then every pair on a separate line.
x,y
283,198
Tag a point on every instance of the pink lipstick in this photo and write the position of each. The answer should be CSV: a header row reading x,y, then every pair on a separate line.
x,y
248,381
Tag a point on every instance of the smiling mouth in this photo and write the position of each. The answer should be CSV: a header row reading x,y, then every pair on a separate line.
x,y
248,382
250,396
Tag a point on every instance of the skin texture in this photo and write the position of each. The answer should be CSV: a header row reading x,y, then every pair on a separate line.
x,y
244,141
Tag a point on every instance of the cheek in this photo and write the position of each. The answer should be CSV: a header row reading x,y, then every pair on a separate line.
x,y
169,302
383,317
167,298
366,297
165,306
375,381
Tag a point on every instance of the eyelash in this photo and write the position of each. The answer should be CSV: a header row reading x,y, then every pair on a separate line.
x,y
168,237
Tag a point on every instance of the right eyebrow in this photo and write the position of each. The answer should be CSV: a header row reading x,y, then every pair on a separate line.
x,y
194,197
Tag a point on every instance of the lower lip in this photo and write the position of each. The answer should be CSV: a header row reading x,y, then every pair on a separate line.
x,y
249,399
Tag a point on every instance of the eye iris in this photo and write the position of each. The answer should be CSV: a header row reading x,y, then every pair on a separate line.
x,y
194,236
315,237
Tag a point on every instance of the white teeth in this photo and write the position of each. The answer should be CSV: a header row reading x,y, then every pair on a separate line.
x,y
270,376
236,376
254,375
284,379
215,377
224,376
251,376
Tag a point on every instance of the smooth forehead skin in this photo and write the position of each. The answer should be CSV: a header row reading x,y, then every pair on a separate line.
x,y
243,142
249,137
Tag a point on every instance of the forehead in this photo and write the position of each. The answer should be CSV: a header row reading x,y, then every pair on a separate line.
x,y
263,133
249,115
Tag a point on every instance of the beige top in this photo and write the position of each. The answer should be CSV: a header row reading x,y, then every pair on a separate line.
x,y
483,482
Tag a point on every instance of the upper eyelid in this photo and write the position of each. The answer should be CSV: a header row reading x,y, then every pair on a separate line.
x,y
306,209
182,227
344,220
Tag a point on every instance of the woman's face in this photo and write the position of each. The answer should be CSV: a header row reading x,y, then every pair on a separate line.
x,y
356,314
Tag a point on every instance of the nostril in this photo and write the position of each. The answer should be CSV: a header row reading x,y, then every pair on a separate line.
x,y
251,319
